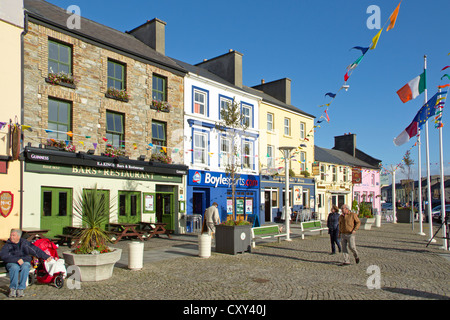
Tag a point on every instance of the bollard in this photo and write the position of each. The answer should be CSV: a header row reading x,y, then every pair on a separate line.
x,y
135,255
204,246
378,220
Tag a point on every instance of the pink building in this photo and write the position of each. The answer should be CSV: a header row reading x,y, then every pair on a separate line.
x,y
365,171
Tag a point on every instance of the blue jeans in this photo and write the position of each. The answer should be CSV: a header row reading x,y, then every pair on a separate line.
x,y
18,275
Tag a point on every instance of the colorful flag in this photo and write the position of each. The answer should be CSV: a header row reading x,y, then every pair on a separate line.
x,y
330,94
375,39
393,18
413,88
427,110
328,118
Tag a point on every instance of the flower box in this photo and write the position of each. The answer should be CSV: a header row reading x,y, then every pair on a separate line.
x,y
160,106
121,95
62,79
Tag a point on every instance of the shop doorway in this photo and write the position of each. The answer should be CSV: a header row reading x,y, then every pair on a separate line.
x,y
129,207
56,209
165,205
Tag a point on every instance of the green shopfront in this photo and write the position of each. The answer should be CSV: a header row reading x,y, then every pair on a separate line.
x,y
137,190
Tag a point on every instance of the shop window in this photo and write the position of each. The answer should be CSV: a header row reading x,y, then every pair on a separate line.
x,y
59,57
59,119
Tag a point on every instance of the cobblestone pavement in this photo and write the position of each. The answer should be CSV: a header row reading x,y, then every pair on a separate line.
x,y
290,270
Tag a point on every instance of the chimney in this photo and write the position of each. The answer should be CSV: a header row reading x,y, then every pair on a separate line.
x,y
346,143
153,34
279,89
227,66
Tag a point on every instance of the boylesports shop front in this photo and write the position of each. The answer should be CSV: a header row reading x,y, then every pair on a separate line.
x,y
206,187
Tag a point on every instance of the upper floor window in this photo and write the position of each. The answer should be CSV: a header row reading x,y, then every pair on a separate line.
x,y
270,122
116,75
270,159
224,104
159,134
159,86
200,102
287,126
247,115
247,155
225,152
115,129
302,161
302,130
345,178
59,57
200,147
322,172
333,168
59,119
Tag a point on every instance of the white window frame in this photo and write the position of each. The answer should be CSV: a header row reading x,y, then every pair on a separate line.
x,y
270,159
249,116
302,161
201,104
225,156
202,150
302,130
247,158
270,127
287,126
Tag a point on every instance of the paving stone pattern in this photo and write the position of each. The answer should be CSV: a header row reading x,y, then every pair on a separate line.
x,y
294,270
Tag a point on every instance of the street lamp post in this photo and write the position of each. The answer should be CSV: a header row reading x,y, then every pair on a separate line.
x,y
287,152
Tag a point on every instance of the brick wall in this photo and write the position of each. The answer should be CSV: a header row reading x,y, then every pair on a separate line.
x,y
89,104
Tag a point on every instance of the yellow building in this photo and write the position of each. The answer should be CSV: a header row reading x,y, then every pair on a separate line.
x,y
281,124
11,27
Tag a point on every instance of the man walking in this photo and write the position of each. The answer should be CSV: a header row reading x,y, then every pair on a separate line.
x,y
211,218
348,224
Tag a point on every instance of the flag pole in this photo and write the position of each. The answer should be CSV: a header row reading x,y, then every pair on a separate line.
x,y
430,221
420,188
443,211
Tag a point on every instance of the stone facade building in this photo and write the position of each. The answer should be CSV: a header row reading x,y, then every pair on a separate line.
x,y
90,92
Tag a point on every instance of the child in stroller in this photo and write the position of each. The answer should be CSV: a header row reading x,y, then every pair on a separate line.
x,y
49,272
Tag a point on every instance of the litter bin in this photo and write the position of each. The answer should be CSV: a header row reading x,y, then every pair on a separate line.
x,y
135,255
204,246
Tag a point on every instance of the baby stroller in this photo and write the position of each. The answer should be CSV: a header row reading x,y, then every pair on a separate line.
x,y
49,272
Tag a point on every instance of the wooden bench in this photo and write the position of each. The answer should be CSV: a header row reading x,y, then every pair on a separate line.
x,y
267,232
313,225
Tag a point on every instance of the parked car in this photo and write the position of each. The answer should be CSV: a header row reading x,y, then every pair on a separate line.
x,y
386,206
436,212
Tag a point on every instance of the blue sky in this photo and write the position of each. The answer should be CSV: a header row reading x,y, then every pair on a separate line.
x,y
309,41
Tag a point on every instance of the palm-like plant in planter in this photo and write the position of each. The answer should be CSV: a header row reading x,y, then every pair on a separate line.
x,y
94,258
91,208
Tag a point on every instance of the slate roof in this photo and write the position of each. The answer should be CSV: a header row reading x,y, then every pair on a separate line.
x,y
339,157
55,16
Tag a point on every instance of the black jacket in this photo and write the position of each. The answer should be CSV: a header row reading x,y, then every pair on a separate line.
x,y
13,252
333,221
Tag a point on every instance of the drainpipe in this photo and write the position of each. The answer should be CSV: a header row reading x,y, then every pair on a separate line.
x,y
22,107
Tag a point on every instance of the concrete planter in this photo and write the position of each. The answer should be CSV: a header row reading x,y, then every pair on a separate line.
x,y
366,223
94,267
233,239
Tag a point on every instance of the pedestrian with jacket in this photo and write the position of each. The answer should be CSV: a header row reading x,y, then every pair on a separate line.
x,y
16,253
348,224
333,229
211,219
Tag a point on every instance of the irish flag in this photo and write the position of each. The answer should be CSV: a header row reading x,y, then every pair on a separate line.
x,y
413,88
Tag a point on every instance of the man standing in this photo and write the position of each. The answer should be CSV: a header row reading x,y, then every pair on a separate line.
x,y
348,224
17,253
211,218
